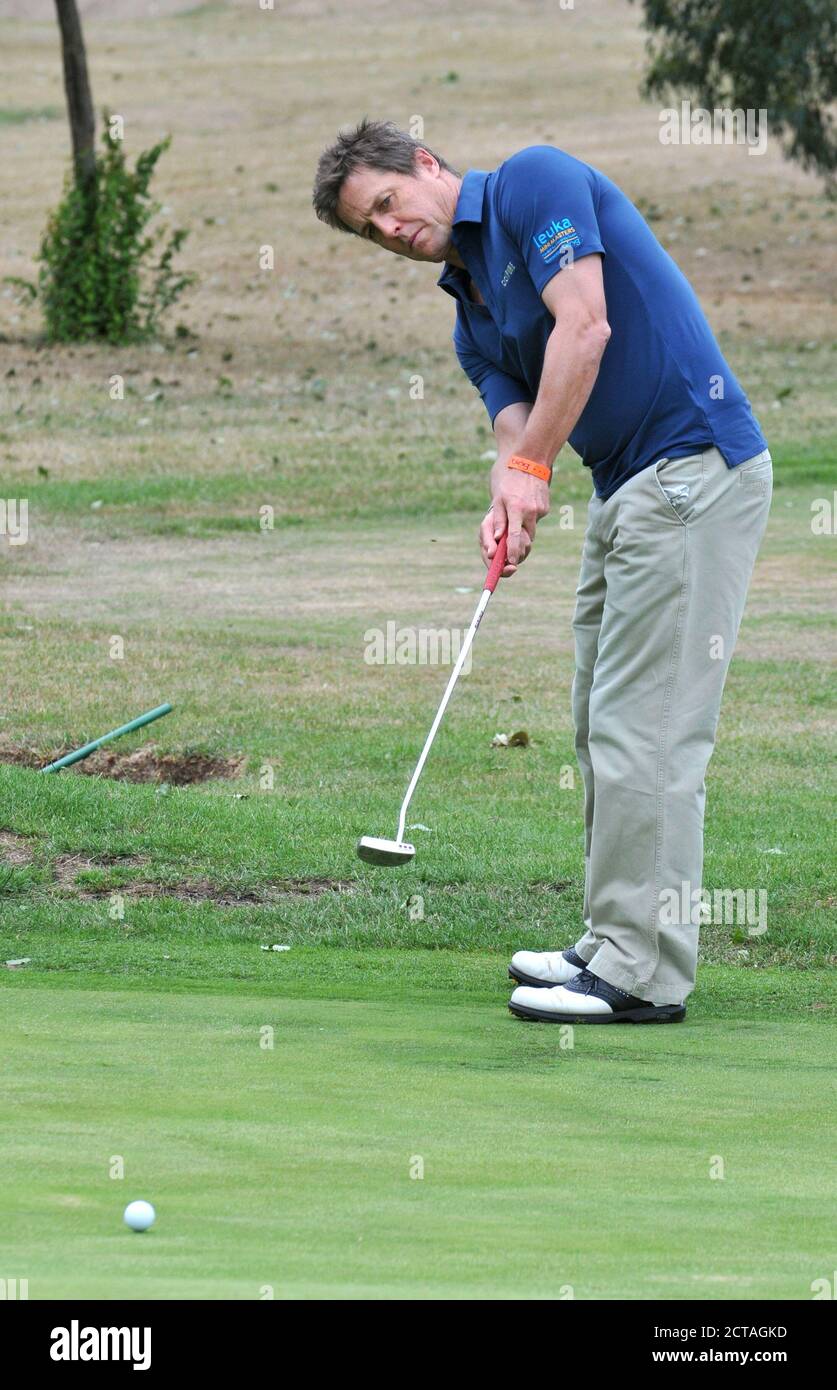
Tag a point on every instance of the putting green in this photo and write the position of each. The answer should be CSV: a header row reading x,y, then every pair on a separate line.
x,y
549,1170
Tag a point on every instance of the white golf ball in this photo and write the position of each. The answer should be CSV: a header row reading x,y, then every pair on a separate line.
x,y
139,1216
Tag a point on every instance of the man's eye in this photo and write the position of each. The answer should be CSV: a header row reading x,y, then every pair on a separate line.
x,y
370,231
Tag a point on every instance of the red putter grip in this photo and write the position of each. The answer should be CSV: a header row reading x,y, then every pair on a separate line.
x,y
497,564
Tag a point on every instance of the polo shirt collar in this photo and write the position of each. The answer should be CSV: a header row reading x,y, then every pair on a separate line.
x,y
468,209
471,192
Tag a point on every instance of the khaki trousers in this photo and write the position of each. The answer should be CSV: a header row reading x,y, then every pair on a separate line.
x,y
664,574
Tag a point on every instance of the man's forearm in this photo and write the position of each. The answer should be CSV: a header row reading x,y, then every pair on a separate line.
x,y
509,426
570,367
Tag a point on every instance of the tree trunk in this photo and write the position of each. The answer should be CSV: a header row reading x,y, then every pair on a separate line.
x,y
77,87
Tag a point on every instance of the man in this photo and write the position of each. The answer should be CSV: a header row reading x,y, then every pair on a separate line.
x,y
575,325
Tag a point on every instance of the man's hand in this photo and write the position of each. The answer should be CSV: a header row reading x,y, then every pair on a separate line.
x,y
518,501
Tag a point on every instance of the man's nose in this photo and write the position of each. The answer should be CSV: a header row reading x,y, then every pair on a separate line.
x,y
392,229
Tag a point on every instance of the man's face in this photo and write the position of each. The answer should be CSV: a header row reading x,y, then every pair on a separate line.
x,y
410,214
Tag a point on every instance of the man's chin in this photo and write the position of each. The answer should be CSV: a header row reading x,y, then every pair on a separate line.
x,y
426,250
431,253
431,256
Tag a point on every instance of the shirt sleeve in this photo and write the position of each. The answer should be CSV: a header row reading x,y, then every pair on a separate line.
x,y
546,202
496,387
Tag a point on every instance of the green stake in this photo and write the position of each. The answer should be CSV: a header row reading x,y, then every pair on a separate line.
x,y
76,757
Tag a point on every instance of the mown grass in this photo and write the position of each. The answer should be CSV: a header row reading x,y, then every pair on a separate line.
x,y
374,1126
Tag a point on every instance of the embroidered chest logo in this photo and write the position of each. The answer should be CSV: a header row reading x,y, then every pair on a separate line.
x,y
508,273
553,239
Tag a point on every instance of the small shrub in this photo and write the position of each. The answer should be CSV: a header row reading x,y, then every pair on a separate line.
x,y
103,274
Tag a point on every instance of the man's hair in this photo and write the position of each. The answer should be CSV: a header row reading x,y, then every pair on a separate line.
x,y
371,145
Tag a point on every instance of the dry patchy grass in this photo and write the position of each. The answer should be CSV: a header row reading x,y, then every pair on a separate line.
x,y
251,98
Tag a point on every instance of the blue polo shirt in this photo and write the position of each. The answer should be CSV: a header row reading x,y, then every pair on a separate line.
x,y
663,388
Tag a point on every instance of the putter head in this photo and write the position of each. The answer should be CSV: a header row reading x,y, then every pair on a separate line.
x,y
384,852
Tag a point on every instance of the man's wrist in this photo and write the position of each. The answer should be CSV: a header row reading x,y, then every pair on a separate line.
x,y
534,467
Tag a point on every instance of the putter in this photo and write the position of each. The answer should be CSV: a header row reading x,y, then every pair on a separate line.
x,y
392,852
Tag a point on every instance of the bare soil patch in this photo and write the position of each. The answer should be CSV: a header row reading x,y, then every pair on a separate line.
x,y
145,764
202,890
68,867
18,850
148,765
15,849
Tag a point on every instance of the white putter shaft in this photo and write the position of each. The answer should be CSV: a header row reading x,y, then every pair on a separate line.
x,y
397,851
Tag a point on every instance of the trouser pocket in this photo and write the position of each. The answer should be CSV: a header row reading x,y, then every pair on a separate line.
x,y
756,475
679,484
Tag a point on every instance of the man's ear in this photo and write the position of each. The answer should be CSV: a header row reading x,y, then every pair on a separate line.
x,y
427,162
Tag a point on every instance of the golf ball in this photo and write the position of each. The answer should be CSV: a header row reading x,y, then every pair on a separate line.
x,y
139,1216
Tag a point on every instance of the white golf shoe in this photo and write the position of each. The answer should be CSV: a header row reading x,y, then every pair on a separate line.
x,y
542,969
589,999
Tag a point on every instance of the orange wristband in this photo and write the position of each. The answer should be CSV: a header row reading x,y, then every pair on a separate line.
x,y
537,470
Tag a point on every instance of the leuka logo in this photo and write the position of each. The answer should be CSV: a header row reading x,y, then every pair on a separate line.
x,y
559,234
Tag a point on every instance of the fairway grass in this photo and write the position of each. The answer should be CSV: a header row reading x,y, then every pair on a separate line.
x,y
550,1171
260,644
